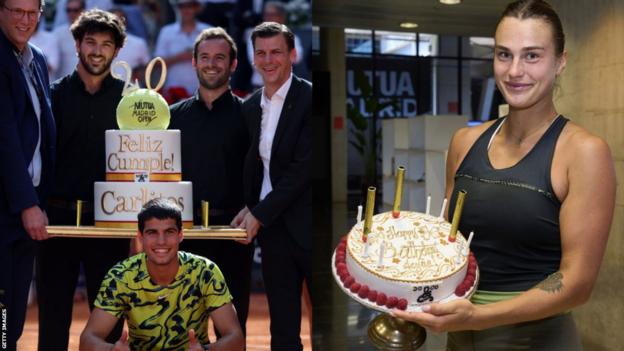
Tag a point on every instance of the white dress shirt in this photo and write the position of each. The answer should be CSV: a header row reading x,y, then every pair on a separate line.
x,y
134,52
271,111
171,41
46,41
67,49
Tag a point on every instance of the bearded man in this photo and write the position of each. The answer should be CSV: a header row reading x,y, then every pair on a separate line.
x,y
84,104
214,144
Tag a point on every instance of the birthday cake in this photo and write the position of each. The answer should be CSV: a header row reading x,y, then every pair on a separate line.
x,y
140,165
142,162
405,262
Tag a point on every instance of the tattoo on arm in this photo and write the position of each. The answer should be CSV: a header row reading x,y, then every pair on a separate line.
x,y
553,283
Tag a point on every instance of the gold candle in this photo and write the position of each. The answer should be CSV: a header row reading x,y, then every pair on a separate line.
x,y
398,192
368,217
459,205
78,212
205,211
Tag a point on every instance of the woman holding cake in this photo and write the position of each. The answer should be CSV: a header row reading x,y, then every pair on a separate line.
x,y
541,194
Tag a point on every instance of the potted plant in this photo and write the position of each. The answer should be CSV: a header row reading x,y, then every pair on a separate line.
x,y
366,135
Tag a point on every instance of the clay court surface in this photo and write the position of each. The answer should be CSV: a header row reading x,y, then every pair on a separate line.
x,y
258,336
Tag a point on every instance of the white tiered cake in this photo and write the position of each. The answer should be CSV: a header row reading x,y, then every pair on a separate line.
x,y
143,160
141,165
131,153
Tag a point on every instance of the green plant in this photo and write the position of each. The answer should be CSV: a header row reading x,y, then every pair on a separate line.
x,y
367,147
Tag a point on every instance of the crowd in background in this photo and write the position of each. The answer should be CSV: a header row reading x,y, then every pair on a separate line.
x,y
167,28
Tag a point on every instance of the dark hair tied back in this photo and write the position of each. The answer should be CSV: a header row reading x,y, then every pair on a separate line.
x,y
524,9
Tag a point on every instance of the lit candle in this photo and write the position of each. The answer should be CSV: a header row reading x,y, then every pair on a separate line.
x,y
359,214
205,211
470,239
370,207
466,249
398,192
459,205
382,247
443,208
78,212
428,204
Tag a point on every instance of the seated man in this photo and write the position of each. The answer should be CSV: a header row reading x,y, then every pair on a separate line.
x,y
165,295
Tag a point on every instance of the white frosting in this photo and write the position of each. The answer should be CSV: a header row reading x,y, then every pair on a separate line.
x,y
155,153
118,203
418,259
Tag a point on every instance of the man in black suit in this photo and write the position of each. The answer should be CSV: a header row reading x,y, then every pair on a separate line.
x,y
278,192
27,139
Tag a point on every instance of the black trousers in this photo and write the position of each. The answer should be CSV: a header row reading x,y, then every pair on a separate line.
x,y
235,262
58,267
16,268
285,265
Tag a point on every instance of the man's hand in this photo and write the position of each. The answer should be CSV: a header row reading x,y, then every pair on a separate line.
x,y
251,224
442,317
35,221
122,343
194,345
239,217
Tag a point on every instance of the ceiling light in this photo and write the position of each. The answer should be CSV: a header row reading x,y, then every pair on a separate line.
x,y
409,25
450,2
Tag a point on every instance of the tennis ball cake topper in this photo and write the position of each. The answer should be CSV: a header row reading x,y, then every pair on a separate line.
x,y
142,109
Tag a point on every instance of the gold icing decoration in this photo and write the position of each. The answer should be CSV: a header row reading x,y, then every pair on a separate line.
x,y
415,248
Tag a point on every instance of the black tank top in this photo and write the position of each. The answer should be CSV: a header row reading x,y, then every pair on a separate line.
x,y
513,212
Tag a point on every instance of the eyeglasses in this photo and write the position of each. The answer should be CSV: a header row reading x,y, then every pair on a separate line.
x,y
18,14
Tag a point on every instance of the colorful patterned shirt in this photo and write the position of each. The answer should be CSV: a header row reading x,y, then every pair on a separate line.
x,y
159,317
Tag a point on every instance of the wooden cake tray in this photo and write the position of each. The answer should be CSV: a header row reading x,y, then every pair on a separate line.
x,y
213,232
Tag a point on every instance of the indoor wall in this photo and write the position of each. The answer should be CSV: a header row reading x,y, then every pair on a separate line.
x,y
592,95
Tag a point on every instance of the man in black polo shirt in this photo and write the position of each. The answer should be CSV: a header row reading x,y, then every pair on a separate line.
x,y
214,144
84,104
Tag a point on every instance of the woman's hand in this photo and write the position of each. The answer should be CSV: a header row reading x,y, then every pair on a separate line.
x,y
443,317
